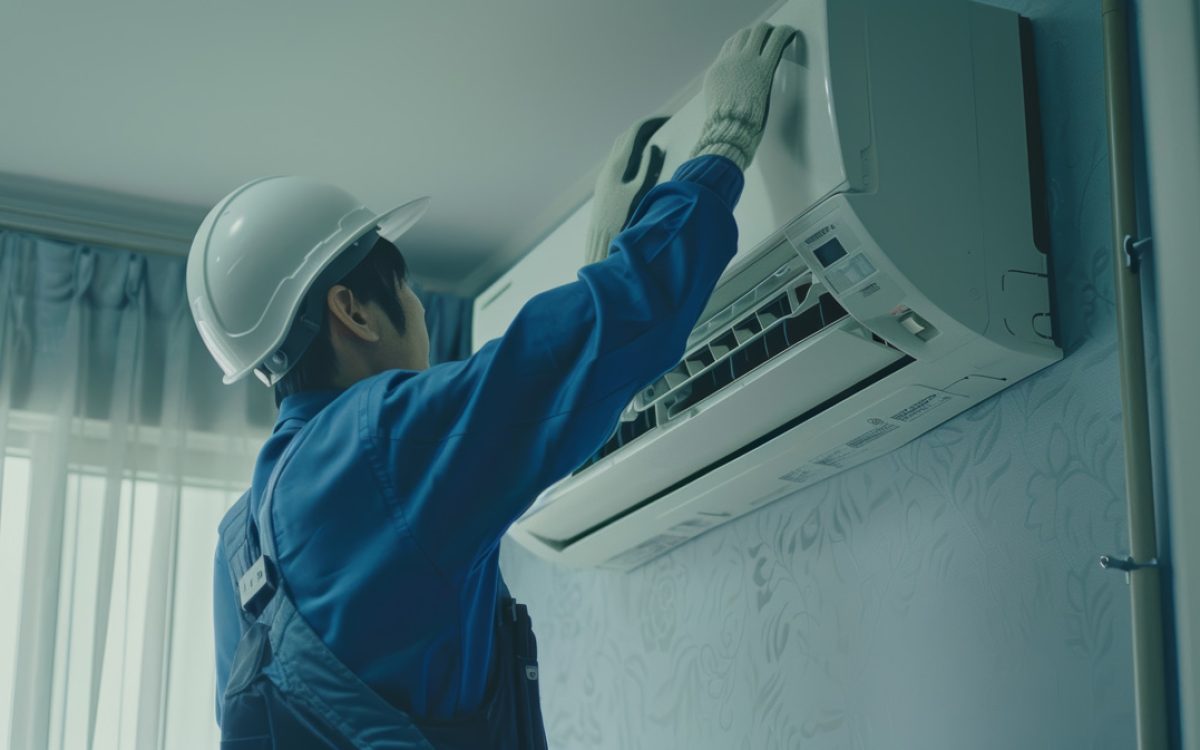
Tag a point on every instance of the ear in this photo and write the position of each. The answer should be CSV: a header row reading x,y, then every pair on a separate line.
x,y
347,313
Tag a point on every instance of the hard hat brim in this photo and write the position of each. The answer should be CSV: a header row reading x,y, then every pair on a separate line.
x,y
399,220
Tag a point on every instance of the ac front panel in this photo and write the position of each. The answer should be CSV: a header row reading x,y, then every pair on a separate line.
x,y
839,438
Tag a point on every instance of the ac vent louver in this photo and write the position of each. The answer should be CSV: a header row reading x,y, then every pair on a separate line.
x,y
759,338
625,433
789,317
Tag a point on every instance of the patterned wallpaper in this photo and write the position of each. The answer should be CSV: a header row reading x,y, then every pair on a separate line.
x,y
946,596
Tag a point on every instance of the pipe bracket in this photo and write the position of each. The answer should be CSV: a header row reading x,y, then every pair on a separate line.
x,y
1135,250
1126,564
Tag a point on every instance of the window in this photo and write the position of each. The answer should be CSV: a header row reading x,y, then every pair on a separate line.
x,y
119,574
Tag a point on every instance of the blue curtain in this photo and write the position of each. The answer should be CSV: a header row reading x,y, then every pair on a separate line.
x,y
449,321
65,309
73,316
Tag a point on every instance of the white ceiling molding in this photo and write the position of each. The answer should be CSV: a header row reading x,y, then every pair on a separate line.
x,y
96,217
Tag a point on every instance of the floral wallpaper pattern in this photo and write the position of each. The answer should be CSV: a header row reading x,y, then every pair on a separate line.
x,y
945,596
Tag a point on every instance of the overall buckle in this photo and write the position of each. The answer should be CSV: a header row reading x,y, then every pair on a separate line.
x,y
257,585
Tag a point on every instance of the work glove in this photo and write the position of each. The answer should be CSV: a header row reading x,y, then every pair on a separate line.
x,y
737,92
624,180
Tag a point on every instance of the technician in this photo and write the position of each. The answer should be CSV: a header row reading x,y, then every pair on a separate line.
x,y
358,600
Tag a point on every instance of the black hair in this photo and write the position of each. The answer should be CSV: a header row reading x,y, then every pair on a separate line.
x,y
374,279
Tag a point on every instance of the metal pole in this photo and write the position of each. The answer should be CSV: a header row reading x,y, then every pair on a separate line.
x,y
1144,580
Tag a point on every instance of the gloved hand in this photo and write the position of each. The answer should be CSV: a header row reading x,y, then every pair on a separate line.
x,y
737,92
624,180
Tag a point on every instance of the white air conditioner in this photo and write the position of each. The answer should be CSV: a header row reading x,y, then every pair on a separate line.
x,y
887,278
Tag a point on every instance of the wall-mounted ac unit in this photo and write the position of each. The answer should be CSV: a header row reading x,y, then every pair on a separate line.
x,y
887,278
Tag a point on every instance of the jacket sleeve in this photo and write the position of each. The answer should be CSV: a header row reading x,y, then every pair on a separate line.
x,y
464,448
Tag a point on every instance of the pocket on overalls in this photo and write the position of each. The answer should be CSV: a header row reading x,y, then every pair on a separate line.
x,y
255,713
245,716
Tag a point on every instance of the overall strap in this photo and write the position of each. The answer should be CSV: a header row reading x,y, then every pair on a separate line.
x,y
234,549
307,671
266,529
232,534
258,583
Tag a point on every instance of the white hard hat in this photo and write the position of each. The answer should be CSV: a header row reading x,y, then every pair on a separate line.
x,y
259,252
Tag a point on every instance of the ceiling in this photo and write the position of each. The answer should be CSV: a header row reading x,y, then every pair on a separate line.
x,y
499,110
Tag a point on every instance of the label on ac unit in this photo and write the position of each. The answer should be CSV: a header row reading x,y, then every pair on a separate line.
x,y
878,430
801,475
921,407
699,523
647,550
672,537
836,458
885,425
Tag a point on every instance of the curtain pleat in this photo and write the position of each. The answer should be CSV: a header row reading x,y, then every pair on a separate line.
x,y
449,321
123,417
152,701
39,600
9,331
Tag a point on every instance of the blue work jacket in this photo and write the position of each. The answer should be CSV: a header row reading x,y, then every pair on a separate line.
x,y
389,516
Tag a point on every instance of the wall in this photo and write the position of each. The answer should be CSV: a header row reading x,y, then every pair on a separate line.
x,y
1170,76
944,596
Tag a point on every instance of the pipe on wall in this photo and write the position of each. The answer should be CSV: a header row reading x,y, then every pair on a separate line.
x,y
1145,583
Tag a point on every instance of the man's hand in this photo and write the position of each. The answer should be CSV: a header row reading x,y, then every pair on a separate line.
x,y
624,180
737,92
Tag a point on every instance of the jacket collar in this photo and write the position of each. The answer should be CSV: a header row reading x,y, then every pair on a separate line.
x,y
303,406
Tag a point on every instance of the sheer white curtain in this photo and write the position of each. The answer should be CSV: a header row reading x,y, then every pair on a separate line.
x,y
120,452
